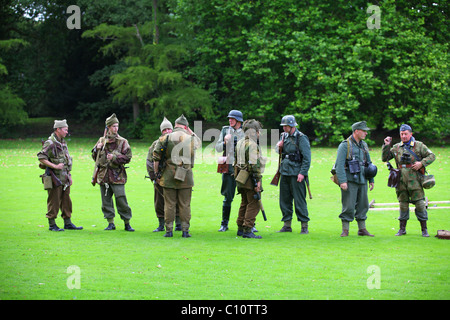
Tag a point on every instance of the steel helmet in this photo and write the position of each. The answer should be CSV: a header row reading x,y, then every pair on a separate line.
x,y
370,171
288,121
236,114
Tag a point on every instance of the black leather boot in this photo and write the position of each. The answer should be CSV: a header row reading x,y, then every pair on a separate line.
x,y
161,225
402,230
249,234
225,218
111,226
128,227
423,225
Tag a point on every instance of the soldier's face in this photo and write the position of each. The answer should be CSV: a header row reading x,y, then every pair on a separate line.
x,y
232,122
114,128
166,131
361,134
62,132
405,136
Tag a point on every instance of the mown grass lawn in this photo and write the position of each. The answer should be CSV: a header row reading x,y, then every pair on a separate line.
x,y
212,265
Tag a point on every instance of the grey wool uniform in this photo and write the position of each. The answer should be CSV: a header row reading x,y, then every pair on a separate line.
x,y
228,188
355,202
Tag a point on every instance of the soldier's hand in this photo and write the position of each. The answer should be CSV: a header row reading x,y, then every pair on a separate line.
x,y
227,138
59,166
99,146
344,186
371,185
387,141
417,165
280,144
300,177
258,187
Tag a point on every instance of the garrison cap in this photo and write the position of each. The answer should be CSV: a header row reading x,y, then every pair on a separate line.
x,y
111,120
405,127
361,125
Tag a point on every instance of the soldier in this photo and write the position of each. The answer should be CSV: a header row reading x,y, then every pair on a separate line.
x,y
226,143
411,157
177,178
247,172
55,158
353,168
113,153
166,128
296,160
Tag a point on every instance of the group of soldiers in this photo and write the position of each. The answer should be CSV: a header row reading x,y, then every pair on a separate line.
x,y
170,161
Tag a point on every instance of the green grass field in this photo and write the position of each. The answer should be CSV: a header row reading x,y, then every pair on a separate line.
x,y
212,265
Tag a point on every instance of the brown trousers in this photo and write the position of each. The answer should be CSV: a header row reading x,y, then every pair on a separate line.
x,y
59,199
182,199
248,210
158,201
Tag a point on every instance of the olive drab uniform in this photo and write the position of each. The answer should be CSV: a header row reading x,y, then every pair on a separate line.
x,y
158,197
409,189
177,179
112,175
56,151
355,202
295,160
228,188
248,159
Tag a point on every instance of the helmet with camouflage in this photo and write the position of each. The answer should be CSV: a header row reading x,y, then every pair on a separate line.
x,y
428,181
252,124
288,120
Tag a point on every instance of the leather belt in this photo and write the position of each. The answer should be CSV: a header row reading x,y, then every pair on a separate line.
x,y
405,165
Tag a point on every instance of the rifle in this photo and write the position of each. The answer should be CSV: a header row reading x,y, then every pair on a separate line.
x,y
162,162
307,185
97,166
276,178
257,196
56,182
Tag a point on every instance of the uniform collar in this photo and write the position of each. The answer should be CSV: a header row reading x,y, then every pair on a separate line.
x,y
409,143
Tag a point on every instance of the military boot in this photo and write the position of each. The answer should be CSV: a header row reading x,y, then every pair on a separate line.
x,y
225,218
68,225
345,228
286,227
423,225
304,228
249,234
161,225
402,230
128,227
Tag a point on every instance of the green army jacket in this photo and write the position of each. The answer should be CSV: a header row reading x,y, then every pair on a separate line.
x,y
112,172
248,157
180,152
292,143
57,152
410,179
358,151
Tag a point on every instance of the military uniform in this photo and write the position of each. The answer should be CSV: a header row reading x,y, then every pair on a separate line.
x,y
177,190
55,151
355,202
248,158
228,188
409,189
295,160
112,175
158,197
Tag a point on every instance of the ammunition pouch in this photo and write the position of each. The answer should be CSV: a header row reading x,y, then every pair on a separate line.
x,y
47,181
296,156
